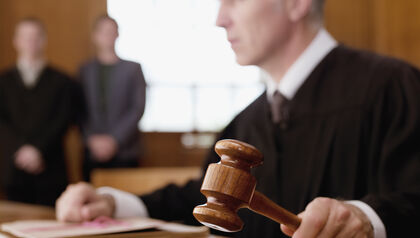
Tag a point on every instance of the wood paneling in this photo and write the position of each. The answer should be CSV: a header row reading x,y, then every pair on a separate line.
x,y
349,21
384,26
144,180
160,149
68,24
167,149
397,29
74,151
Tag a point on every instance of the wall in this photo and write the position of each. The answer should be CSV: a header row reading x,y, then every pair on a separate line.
x,y
167,149
384,26
68,24
397,29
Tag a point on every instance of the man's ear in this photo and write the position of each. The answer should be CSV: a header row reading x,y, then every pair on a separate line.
x,y
298,9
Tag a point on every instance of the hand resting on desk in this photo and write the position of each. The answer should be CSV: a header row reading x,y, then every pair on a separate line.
x,y
80,202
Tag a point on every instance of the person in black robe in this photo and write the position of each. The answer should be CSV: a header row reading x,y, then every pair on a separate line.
x,y
34,116
344,151
354,138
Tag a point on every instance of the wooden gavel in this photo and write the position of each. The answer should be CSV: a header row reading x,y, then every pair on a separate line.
x,y
229,186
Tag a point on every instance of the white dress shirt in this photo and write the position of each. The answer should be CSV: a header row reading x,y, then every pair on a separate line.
x,y
30,71
130,205
126,204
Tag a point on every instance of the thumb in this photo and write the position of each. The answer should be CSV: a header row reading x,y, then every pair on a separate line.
x,y
286,230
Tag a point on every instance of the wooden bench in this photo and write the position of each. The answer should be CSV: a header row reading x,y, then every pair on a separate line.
x,y
143,180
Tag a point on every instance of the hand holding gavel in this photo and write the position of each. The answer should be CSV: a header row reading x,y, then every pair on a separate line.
x,y
229,186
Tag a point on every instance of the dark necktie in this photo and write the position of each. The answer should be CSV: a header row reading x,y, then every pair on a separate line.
x,y
279,110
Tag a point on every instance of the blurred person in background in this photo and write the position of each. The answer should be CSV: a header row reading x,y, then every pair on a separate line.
x,y
115,95
34,116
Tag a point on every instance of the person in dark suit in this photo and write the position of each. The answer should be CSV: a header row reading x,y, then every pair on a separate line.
x,y
115,95
338,127
34,116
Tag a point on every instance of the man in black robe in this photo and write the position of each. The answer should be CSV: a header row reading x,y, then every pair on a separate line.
x,y
339,130
34,116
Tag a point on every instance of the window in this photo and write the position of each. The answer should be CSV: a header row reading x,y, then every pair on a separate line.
x,y
194,83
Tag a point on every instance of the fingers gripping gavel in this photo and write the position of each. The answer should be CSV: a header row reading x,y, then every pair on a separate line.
x,y
229,186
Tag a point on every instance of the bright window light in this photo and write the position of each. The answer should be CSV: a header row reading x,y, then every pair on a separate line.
x,y
194,83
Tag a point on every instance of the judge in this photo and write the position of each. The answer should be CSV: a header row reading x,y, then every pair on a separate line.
x,y
34,116
339,130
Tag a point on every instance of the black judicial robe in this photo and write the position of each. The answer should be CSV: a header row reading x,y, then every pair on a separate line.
x,y
39,116
353,133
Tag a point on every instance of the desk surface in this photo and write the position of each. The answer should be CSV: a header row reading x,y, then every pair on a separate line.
x,y
12,211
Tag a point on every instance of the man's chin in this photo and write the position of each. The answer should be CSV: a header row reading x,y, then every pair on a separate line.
x,y
244,61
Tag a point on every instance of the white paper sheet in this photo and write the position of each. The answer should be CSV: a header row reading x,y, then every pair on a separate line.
x,y
55,229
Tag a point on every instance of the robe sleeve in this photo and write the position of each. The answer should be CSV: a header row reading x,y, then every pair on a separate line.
x,y
10,138
396,116
6,128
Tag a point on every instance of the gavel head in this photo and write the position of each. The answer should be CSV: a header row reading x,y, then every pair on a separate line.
x,y
228,185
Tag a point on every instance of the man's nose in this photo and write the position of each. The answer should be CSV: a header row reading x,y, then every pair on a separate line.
x,y
223,17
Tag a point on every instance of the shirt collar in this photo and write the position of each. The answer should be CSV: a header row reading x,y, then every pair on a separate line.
x,y
296,75
30,71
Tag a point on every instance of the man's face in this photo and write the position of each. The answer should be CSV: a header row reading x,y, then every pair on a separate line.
x,y
105,34
256,29
30,39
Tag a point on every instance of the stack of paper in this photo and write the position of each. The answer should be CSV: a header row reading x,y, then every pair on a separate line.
x,y
102,225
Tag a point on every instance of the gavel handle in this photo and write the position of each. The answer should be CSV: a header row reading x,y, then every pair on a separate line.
x,y
264,206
